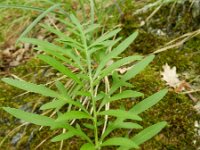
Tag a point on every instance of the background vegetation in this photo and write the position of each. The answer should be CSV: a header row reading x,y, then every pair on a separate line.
x,y
158,23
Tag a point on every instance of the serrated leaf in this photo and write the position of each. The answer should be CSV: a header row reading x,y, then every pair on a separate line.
x,y
73,115
60,67
40,89
87,146
148,133
121,114
120,141
148,102
63,136
137,68
30,117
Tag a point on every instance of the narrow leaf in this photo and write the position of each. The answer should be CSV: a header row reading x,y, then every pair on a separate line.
x,y
30,117
138,68
24,7
54,104
120,141
148,102
122,95
105,36
60,67
88,146
73,115
148,133
91,28
121,114
118,64
116,51
128,125
51,48
40,89
63,136
42,15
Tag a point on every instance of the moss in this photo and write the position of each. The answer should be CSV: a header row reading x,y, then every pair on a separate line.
x,y
176,109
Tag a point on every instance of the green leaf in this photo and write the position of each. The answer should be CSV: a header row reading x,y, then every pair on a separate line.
x,y
128,125
148,102
76,22
60,67
24,7
120,141
54,30
63,136
51,48
91,28
54,104
40,17
40,89
122,95
118,82
118,64
148,133
138,68
89,126
57,55
70,27
73,115
116,51
30,117
126,94
105,37
118,123
77,132
87,146
121,114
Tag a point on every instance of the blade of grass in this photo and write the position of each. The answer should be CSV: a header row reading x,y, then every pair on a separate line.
x,y
33,24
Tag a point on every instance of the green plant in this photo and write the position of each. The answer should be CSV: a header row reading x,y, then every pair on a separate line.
x,y
84,105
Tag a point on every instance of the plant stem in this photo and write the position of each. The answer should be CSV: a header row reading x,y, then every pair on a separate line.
x,y
88,58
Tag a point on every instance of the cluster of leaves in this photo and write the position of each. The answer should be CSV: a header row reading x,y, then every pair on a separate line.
x,y
95,59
